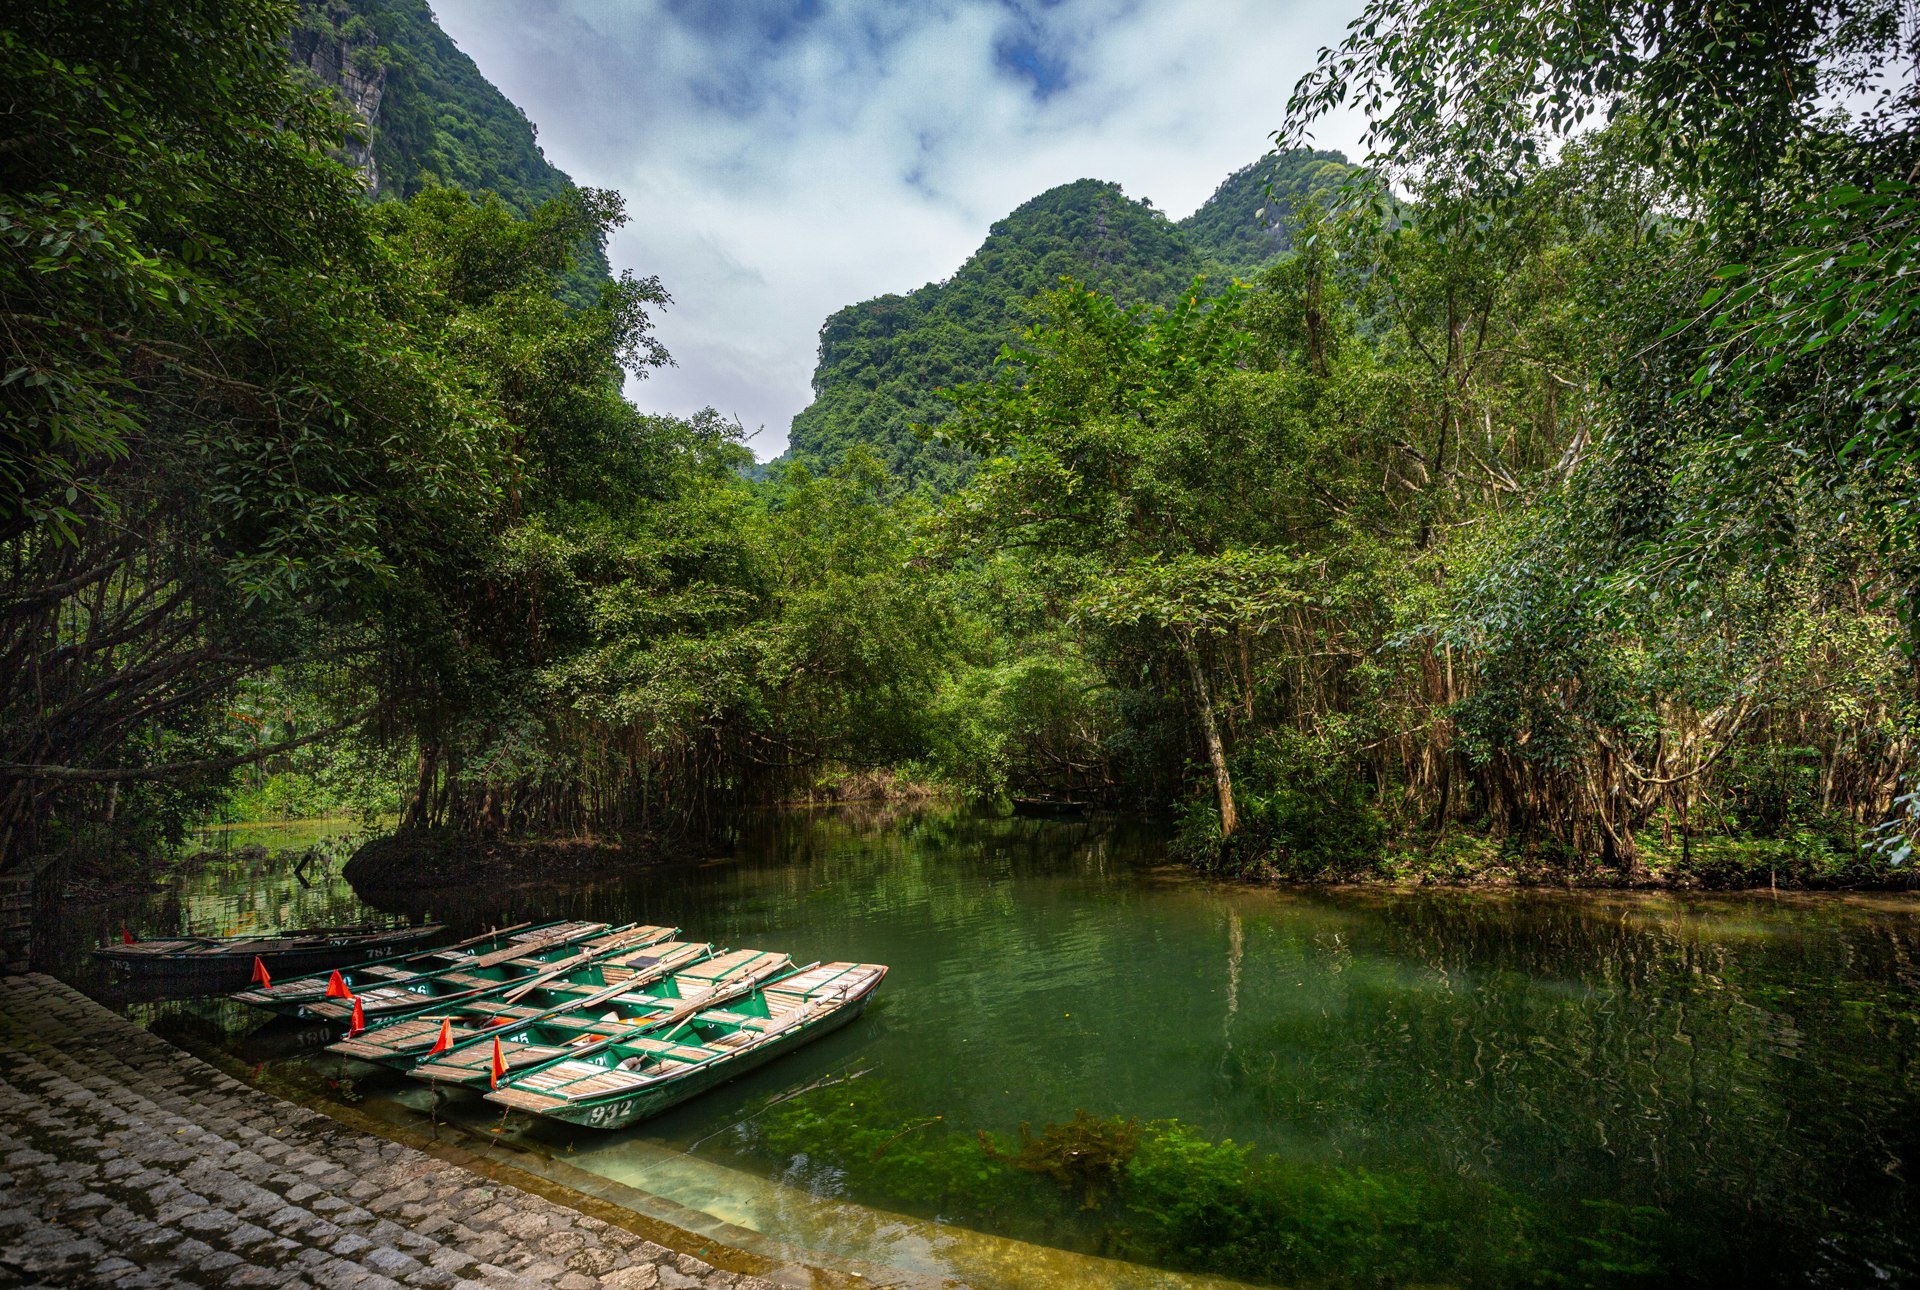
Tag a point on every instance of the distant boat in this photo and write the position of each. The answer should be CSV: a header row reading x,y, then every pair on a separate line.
x,y
629,1079
1049,808
214,964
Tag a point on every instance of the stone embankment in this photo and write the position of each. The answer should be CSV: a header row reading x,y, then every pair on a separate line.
x,y
128,1163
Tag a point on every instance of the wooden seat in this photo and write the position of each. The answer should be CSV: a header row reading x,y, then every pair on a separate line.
x,y
559,1073
604,1083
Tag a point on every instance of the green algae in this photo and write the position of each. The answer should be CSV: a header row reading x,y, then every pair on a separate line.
x,y
1164,1194
1087,1155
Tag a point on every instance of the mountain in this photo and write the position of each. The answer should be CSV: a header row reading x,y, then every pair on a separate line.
x,y
883,361
432,116
1245,225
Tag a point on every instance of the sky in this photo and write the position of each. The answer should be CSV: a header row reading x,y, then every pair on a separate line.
x,y
781,160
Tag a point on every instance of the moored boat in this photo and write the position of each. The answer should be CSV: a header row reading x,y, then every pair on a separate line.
x,y
629,1079
469,1004
213,964
675,986
509,966
288,996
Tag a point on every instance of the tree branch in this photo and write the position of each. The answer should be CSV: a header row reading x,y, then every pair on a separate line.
x,y
80,774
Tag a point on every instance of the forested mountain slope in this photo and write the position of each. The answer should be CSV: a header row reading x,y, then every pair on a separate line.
x,y
1247,222
883,361
432,116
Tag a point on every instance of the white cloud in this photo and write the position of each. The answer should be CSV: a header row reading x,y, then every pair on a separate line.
x,y
779,163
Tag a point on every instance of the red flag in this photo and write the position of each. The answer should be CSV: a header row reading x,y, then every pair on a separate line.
x,y
445,1041
359,1022
260,977
337,986
499,1065
126,937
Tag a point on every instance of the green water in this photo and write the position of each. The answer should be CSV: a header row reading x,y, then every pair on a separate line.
x,y
1423,1087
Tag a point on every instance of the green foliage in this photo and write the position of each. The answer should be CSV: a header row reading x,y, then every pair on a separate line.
x,y
1251,219
1730,550
1163,1194
884,362
1306,811
439,121
154,221
1197,1204
1463,96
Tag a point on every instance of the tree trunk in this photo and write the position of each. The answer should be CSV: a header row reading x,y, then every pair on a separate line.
x,y
1216,751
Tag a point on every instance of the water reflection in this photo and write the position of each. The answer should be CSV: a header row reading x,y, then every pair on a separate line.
x,y
1716,1090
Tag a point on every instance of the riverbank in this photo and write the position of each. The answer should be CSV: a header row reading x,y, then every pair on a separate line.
x,y
436,860
1804,861
131,1163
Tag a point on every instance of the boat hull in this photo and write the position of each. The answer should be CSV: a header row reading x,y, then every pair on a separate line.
x,y
620,1110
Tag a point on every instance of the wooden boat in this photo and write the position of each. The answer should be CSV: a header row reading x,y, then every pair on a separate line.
x,y
213,964
291,996
482,1001
453,973
683,979
630,1079
1049,808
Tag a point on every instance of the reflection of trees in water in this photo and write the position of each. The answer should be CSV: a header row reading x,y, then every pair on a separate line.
x,y
1759,1088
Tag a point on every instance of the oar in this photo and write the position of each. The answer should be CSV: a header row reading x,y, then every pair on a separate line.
x,y
559,969
724,991
585,958
475,940
560,936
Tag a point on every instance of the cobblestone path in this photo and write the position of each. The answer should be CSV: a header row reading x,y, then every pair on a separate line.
x,y
125,1162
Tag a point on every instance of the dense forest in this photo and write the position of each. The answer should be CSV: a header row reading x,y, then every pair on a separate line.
x,y
886,365
1538,503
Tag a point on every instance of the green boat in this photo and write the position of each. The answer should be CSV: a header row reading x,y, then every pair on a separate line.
x,y
629,1079
489,975
471,1003
680,980
293,996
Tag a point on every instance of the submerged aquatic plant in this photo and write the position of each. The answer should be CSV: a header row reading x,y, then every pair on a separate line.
x,y
1085,1155
1161,1193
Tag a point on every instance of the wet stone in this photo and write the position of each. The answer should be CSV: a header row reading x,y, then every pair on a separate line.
x,y
159,1175
593,1262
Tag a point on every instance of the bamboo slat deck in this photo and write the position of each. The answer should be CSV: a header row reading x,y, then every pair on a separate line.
x,y
636,1076
478,1060
578,1029
492,1005
447,989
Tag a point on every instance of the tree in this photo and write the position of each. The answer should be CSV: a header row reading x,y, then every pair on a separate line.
x,y
1100,446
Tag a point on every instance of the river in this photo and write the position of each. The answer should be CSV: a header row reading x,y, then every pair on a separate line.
x,y
1328,1087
